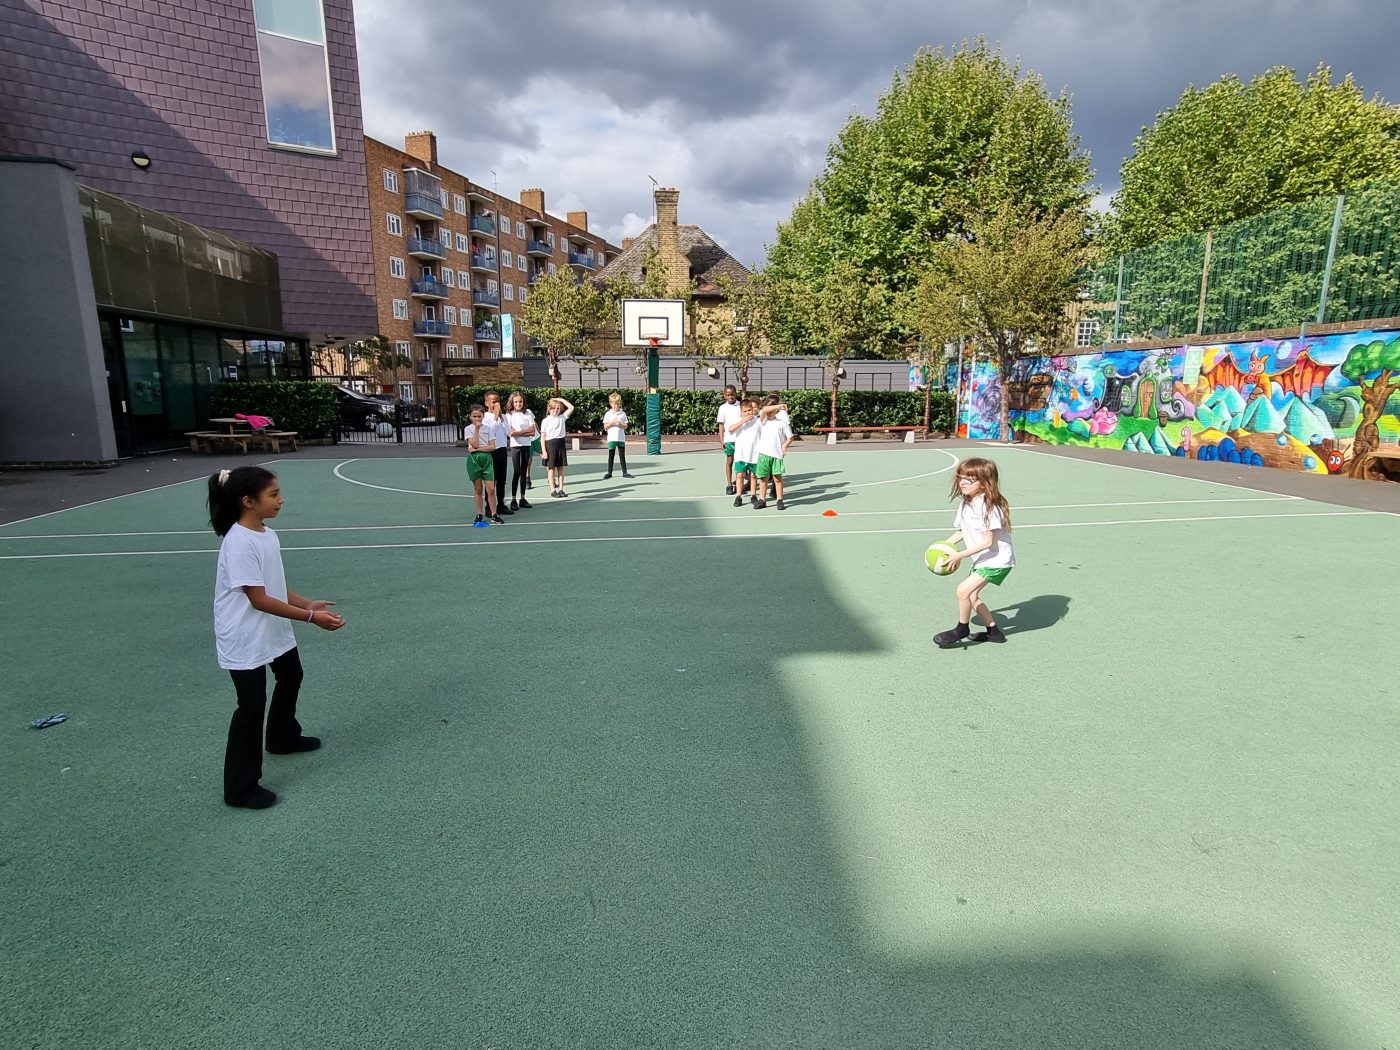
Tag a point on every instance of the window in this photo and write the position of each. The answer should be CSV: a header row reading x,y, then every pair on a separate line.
x,y
450,350
445,235
459,204
522,297
463,245
400,309
395,225
551,238
296,83
590,255
430,313
508,291
1084,332
396,267
442,196
520,263
491,287
520,230
551,267
449,314
391,181
403,347
505,259
449,277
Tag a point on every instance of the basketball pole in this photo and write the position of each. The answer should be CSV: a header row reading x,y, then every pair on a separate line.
x,y
653,398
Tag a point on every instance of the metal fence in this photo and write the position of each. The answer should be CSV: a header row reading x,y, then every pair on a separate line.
x,y
1330,259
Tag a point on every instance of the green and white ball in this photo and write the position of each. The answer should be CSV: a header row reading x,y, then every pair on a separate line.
x,y
937,558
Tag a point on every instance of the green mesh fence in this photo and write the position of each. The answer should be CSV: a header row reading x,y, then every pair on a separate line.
x,y
1267,271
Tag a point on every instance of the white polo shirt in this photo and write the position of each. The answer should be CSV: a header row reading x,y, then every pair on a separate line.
x,y
729,414
746,442
500,434
616,422
520,421
554,427
771,435
974,520
244,637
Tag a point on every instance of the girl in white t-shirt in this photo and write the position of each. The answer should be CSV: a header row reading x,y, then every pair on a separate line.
x,y
552,430
983,524
520,423
252,607
615,423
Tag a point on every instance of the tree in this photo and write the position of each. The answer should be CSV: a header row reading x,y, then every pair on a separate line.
x,y
1383,358
742,334
1231,150
1006,287
561,314
956,134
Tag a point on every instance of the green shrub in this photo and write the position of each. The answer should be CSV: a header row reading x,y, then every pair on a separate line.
x,y
693,411
306,406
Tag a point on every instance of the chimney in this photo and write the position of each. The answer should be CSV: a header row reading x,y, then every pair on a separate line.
x,y
579,219
668,245
533,199
627,242
422,145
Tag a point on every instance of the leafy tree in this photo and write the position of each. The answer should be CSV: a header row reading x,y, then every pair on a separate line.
x,y
1231,150
1006,287
561,314
1384,358
743,333
956,134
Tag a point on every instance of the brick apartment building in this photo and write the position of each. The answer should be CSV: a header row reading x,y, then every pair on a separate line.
x,y
454,261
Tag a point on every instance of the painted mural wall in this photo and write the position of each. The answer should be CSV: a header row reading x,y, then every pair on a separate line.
x,y
1312,404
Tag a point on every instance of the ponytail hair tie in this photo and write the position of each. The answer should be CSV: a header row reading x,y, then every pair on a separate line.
x,y
223,476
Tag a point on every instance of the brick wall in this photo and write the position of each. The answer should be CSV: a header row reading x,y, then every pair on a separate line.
x,y
90,81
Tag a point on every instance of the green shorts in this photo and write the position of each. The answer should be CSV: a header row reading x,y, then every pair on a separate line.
x,y
536,447
740,467
480,467
616,444
993,576
769,467
729,449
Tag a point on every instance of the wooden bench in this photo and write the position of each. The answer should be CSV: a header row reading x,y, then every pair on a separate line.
x,y
1383,461
210,441
578,437
910,433
275,439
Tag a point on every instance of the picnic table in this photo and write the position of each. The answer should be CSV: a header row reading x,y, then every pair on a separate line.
x,y
233,432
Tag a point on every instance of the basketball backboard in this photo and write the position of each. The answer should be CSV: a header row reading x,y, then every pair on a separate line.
x,y
646,319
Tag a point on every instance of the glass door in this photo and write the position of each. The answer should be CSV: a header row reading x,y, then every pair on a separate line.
x,y
145,387
116,383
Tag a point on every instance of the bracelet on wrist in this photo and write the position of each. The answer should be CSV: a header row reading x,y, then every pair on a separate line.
x,y
310,615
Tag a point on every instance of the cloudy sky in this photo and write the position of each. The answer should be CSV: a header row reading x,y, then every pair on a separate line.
x,y
735,102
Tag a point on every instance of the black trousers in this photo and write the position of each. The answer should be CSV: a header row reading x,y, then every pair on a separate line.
x,y
243,758
520,460
621,451
500,460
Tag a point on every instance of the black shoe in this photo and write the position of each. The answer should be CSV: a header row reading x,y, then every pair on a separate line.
x,y
553,493
729,490
496,520
948,639
301,743
780,505
627,475
991,634
609,474
759,504
753,500
563,494
514,505
258,798
504,510
477,520
738,501
527,483
524,504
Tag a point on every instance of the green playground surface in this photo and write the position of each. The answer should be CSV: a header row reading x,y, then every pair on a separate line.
x,y
641,769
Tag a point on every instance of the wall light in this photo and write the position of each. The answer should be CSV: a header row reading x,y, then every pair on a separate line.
x,y
141,159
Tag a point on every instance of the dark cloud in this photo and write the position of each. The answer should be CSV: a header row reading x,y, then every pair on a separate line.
x,y
735,101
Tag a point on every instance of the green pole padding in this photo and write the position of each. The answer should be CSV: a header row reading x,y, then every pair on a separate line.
x,y
653,403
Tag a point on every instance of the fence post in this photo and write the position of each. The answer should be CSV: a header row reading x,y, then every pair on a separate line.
x,y
1205,284
1118,300
1331,257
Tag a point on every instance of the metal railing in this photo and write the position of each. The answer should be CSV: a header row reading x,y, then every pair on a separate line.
x,y
480,225
430,286
426,246
480,298
422,202
536,247
431,328
578,259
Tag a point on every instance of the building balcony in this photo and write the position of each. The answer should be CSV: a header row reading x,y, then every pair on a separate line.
x,y
432,329
424,366
538,248
483,226
576,259
487,334
483,262
430,288
536,276
423,206
426,248
481,297
479,196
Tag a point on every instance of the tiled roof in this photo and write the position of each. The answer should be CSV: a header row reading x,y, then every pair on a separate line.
x,y
707,259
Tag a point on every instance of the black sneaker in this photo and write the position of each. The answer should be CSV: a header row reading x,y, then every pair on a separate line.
x,y
259,798
780,505
477,520
497,520
991,634
729,490
301,743
514,506
504,510
738,501
753,500
759,504
948,639
627,475
527,483
609,474
524,504
563,494
553,493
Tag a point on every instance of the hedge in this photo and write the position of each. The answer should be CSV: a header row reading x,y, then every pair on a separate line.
x,y
693,411
304,405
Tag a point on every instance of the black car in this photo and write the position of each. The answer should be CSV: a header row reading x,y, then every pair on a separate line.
x,y
360,411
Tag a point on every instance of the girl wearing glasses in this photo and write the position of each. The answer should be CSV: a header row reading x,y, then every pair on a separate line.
x,y
983,525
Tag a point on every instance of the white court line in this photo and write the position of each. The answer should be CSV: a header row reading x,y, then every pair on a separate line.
x,y
98,502
665,517
698,536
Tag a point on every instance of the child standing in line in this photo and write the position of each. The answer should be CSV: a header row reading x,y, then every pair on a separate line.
x,y
615,422
774,437
494,420
728,414
983,524
745,436
552,431
481,467
520,422
252,607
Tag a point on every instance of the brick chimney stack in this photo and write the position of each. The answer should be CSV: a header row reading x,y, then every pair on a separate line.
x,y
668,242
533,199
579,219
422,145
627,242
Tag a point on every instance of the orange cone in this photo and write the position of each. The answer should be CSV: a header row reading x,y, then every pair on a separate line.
x,y
828,514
